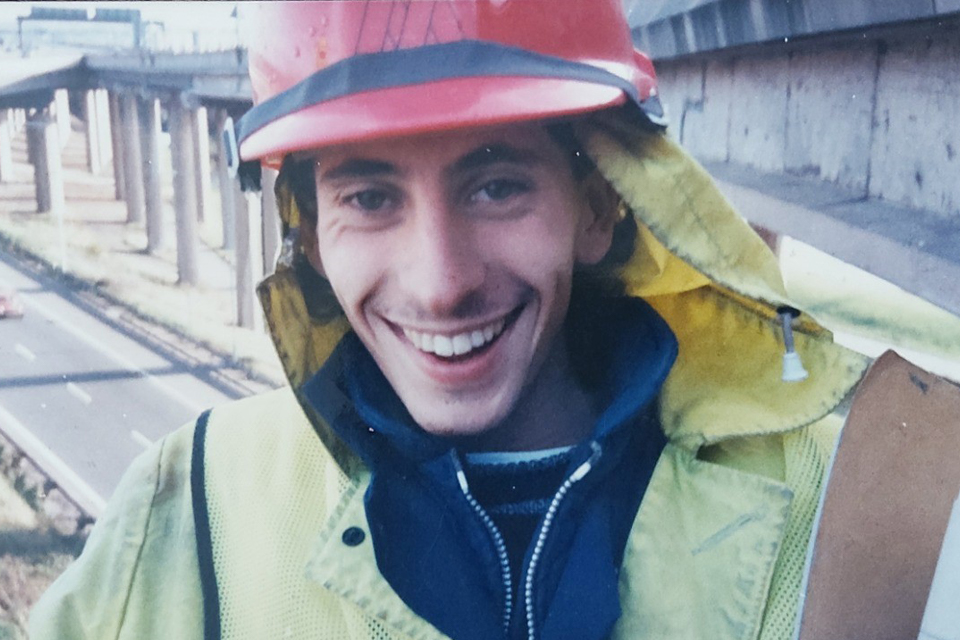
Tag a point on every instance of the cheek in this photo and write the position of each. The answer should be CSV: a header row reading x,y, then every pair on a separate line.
x,y
541,248
352,269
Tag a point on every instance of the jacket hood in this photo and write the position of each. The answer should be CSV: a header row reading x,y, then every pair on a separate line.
x,y
696,261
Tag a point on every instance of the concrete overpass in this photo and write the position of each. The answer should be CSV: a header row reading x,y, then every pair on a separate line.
x,y
126,102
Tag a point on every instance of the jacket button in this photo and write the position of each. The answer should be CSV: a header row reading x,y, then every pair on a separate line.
x,y
353,536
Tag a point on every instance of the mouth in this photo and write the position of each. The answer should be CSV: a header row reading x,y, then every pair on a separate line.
x,y
463,345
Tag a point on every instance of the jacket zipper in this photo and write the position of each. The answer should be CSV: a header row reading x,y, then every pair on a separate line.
x,y
575,477
498,543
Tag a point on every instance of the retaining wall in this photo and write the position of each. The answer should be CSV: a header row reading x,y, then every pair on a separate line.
x,y
878,116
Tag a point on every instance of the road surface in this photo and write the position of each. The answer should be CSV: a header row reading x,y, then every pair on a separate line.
x,y
88,387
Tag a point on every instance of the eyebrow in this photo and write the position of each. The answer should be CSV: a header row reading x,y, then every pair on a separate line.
x,y
491,154
483,156
359,168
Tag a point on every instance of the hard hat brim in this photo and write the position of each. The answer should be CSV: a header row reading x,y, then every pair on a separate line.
x,y
431,107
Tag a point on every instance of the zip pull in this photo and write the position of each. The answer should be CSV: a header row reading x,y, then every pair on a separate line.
x,y
461,475
581,471
793,370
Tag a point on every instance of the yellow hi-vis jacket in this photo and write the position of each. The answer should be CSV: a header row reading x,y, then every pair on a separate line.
x,y
718,546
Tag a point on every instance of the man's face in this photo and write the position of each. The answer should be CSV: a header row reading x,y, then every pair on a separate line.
x,y
452,256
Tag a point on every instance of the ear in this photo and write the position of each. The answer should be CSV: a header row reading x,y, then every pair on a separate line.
x,y
309,244
601,212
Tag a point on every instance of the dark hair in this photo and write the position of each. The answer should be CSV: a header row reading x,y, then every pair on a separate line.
x,y
298,176
580,163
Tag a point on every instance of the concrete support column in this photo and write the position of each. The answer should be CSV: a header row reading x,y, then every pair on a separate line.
x,y
148,111
43,134
104,134
270,220
248,258
228,201
62,111
32,140
6,149
116,138
91,121
202,161
133,159
759,20
185,192
17,118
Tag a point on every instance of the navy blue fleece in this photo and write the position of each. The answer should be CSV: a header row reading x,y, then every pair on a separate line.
x,y
432,547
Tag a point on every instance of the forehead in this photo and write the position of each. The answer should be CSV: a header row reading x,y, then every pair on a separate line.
x,y
524,143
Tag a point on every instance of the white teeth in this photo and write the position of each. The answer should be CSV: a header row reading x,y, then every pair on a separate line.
x,y
415,338
460,344
443,346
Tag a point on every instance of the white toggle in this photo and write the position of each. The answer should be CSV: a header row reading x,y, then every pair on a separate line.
x,y
793,370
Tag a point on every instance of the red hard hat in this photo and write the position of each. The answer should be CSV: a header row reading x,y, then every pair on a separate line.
x,y
350,70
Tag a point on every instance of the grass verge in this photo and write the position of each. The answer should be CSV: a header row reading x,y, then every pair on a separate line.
x,y
33,552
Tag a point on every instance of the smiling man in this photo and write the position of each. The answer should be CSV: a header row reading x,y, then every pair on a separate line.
x,y
537,384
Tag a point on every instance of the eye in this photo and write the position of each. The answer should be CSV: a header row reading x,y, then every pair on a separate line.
x,y
498,190
369,200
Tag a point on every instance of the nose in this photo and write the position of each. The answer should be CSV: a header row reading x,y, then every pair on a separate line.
x,y
446,267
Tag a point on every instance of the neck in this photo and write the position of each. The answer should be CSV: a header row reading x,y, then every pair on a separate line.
x,y
554,411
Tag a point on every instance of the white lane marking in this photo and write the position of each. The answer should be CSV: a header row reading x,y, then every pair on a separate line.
x,y
79,393
120,359
141,439
58,470
24,353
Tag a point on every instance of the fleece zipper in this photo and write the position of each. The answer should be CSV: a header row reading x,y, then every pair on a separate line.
x,y
498,543
545,527
541,538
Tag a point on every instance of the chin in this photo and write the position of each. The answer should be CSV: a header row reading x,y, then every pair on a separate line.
x,y
461,422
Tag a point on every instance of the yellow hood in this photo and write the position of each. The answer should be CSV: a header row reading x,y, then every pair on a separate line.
x,y
696,261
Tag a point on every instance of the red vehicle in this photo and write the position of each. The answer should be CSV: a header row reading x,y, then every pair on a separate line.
x,y
10,304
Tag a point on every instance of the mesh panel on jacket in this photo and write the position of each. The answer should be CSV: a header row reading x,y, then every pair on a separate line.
x,y
807,455
281,489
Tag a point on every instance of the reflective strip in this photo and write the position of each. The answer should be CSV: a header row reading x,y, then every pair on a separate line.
x,y
431,63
